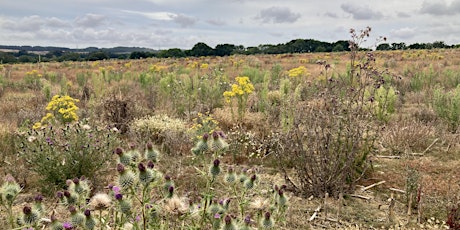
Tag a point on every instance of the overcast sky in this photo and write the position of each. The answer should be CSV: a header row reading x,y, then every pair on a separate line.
x,y
162,24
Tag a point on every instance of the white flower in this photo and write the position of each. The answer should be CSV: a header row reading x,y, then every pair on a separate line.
x,y
31,138
86,127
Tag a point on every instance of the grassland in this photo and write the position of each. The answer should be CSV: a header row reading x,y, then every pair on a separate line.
x,y
415,154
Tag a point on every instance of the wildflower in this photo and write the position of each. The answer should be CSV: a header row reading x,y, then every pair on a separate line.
x,y
125,176
100,201
214,170
31,138
249,183
267,221
145,174
123,158
151,153
86,127
67,225
299,71
230,177
90,222
228,223
29,216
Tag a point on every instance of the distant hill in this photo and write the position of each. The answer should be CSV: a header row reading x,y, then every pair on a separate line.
x,y
46,49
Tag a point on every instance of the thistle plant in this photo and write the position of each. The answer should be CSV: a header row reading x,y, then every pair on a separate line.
x,y
9,190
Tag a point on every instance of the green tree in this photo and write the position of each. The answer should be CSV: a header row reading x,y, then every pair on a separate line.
x,y
201,49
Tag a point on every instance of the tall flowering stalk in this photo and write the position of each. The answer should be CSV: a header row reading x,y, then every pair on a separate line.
x,y
240,91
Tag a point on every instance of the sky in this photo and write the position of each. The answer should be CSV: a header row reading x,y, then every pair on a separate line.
x,y
164,24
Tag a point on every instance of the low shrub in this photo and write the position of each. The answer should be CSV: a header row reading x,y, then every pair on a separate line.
x,y
56,153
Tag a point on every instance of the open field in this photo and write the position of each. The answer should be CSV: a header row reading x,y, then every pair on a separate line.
x,y
397,149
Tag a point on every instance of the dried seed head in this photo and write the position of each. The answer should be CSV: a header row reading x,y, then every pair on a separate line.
x,y
120,168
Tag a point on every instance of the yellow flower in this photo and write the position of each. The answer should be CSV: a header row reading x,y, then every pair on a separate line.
x,y
204,66
37,125
299,71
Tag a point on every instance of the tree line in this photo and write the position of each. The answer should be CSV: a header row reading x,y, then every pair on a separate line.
x,y
45,54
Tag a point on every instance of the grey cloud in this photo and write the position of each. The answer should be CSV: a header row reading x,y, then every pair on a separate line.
x,y
331,15
403,15
403,33
183,20
439,8
216,22
90,20
26,24
360,12
278,15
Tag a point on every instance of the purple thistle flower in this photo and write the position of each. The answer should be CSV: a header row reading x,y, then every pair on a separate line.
x,y
247,219
60,194
38,198
116,189
27,210
141,167
228,219
118,196
67,225
217,216
119,151
149,146
205,137
216,163
215,135
120,168
150,165
87,213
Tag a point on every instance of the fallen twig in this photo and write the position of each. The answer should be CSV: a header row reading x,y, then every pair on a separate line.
x,y
389,157
360,196
315,214
398,190
372,185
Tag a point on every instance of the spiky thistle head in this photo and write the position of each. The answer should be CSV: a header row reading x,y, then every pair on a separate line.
x,y
123,157
145,174
230,177
151,153
9,190
249,183
134,153
126,177
214,170
170,193
90,222
30,216
267,221
228,223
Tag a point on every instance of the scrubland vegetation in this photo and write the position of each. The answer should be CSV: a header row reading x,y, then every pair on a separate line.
x,y
346,140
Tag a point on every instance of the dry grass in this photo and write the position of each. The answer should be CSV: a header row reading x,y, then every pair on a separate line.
x,y
412,129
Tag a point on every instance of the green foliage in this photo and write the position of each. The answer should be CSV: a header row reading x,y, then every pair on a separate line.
x,y
57,153
447,106
382,102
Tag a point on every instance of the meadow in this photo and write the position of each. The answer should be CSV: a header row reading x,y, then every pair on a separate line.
x,y
346,140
